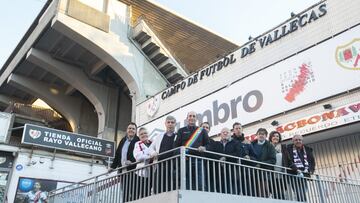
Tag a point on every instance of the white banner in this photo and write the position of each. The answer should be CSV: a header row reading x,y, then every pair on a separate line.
x,y
317,122
5,124
312,75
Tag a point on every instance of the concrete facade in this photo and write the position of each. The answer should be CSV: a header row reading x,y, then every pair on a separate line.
x,y
103,98
66,105
335,141
107,39
114,48
340,16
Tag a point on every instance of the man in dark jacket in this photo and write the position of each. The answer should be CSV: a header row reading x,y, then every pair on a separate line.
x,y
199,135
194,137
264,150
301,160
265,153
163,144
231,147
124,153
124,157
244,143
245,172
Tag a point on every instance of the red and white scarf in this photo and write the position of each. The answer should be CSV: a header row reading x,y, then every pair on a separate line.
x,y
146,144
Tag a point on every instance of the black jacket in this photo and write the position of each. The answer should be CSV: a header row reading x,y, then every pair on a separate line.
x,y
184,134
290,159
247,149
231,148
268,154
130,155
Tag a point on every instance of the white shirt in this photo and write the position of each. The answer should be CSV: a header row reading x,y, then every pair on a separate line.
x,y
142,153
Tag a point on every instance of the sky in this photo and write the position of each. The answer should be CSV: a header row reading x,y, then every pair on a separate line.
x,y
234,20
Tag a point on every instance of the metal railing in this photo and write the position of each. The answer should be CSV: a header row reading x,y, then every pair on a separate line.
x,y
188,169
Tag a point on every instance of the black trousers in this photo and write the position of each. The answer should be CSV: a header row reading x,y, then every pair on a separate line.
x,y
165,176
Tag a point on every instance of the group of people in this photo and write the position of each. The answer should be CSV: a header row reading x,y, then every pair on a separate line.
x,y
262,154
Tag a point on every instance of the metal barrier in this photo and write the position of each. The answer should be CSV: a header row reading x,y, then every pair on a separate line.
x,y
188,169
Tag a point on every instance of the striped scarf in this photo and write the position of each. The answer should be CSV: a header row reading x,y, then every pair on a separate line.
x,y
193,137
297,161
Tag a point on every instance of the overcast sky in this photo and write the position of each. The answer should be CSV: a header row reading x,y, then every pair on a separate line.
x,y
235,20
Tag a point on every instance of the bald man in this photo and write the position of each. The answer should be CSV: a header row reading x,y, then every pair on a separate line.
x,y
301,160
194,137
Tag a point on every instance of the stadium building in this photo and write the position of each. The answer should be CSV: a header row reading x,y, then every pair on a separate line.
x,y
101,64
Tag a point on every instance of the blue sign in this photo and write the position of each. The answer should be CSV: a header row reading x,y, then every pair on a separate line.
x,y
57,139
19,167
26,184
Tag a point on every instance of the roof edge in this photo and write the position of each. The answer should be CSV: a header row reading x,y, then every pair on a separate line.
x,y
25,37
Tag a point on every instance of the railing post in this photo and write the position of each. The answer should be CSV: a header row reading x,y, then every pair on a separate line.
x,y
321,191
182,169
94,193
51,197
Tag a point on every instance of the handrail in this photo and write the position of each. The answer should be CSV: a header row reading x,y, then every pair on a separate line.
x,y
189,169
207,158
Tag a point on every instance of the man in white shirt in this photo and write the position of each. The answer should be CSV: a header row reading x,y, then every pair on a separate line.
x,y
162,144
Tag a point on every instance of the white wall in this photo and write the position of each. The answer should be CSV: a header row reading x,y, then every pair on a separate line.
x,y
97,4
6,120
115,49
340,16
64,170
315,108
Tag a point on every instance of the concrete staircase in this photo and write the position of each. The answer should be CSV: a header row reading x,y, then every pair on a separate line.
x,y
157,53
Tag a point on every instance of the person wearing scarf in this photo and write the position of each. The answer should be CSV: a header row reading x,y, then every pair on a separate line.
x,y
36,195
194,137
302,163
142,154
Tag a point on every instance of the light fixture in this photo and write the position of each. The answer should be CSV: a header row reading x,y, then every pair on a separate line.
x,y
327,106
274,123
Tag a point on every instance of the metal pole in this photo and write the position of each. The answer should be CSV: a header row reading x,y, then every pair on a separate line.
x,y
94,199
30,156
16,128
182,169
52,160
321,191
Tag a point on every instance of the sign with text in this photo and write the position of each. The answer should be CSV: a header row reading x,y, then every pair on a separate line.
x,y
307,77
321,121
51,138
340,116
280,32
